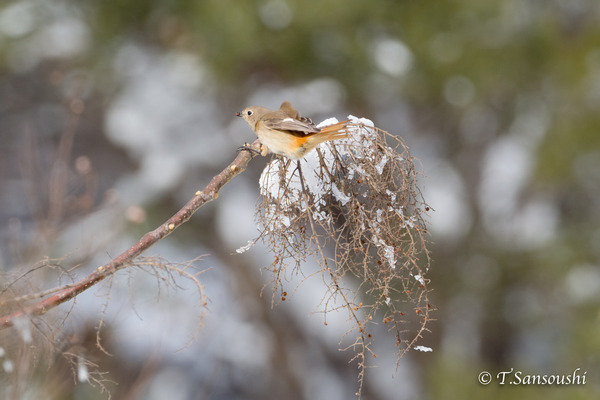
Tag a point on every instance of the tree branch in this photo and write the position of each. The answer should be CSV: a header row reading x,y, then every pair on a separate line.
x,y
209,193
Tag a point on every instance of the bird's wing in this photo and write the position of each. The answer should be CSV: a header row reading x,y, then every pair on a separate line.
x,y
287,108
287,123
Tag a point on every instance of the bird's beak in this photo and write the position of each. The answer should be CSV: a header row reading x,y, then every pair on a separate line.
x,y
238,114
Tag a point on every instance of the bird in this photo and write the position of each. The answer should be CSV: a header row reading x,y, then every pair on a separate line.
x,y
285,132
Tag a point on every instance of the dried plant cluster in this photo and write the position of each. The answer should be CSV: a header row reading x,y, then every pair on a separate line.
x,y
49,346
355,207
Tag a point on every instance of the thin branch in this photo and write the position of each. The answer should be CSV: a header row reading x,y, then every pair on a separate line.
x,y
209,193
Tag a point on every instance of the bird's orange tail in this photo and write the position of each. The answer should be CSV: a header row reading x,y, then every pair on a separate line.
x,y
331,132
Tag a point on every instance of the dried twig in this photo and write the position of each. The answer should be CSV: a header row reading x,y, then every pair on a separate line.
x,y
68,292
361,195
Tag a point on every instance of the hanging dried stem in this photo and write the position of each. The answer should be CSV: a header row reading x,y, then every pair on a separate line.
x,y
356,208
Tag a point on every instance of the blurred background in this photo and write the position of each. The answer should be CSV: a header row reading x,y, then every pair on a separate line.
x,y
113,113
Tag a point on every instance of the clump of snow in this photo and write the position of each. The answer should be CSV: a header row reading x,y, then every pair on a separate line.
x,y
419,278
423,349
339,195
327,122
379,166
364,121
245,248
389,252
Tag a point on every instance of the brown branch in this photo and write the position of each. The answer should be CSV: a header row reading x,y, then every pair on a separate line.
x,y
209,193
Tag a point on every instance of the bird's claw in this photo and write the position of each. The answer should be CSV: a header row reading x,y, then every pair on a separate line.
x,y
247,147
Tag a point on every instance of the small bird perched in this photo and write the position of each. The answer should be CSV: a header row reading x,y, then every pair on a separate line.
x,y
285,132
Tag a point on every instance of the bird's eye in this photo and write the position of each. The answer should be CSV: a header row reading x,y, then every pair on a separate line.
x,y
249,113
